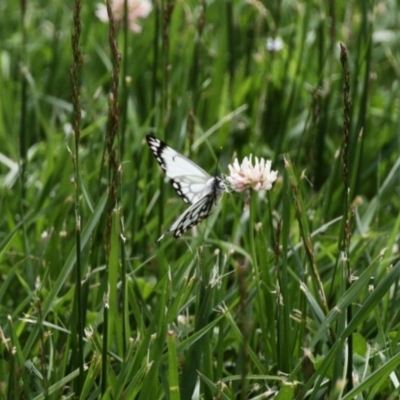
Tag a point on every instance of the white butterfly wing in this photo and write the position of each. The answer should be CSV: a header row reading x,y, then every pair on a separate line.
x,y
188,179
194,214
192,184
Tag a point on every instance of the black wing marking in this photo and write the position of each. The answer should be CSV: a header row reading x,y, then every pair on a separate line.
x,y
198,211
193,215
187,178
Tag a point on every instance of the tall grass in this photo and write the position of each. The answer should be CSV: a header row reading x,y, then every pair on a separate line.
x,y
77,331
287,294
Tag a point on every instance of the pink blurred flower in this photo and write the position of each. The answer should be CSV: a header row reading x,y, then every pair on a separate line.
x,y
136,9
246,176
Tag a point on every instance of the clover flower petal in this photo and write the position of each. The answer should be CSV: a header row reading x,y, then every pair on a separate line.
x,y
246,176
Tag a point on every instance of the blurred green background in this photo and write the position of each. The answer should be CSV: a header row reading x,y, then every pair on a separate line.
x,y
237,309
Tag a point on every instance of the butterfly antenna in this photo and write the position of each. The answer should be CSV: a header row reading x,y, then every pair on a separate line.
x,y
218,156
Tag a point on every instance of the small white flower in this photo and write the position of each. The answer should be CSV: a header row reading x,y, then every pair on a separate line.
x,y
136,9
274,45
245,176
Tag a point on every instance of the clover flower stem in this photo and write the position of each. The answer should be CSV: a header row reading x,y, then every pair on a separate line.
x,y
257,270
253,205
245,326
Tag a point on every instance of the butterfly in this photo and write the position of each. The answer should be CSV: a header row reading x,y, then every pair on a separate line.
x,y
192,183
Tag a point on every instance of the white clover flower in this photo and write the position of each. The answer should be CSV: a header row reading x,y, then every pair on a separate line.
x,y
274,45
136,9
246,176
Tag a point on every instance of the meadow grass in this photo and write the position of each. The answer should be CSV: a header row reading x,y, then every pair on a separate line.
x,y
288,294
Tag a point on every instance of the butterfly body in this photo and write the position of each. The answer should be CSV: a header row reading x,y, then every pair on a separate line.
x,y
191,182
